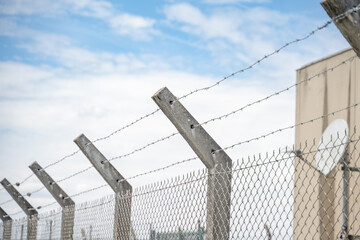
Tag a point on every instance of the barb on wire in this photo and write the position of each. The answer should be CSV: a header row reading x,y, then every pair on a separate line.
x,y
160,169
146,146
345,14
62,159
7,201
126,126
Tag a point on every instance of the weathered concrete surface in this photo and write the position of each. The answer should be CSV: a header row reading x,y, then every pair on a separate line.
x,y
350,25
117,182
67,204
31,213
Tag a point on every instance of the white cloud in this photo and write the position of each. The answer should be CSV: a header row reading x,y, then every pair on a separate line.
x,y
136,26
243,35
195,22
28,7
92,8
234,25
61,49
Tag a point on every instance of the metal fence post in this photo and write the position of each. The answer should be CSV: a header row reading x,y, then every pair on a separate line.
x,y
66,203
7,221
210,153
122,189
32,214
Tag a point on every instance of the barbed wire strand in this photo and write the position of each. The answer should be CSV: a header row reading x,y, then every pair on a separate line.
x,y
285,128
337,18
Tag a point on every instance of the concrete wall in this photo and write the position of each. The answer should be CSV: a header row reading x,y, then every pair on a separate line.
x,y
318,199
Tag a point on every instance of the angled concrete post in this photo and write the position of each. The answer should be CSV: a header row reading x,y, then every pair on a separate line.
x,y
67,205
348,26
210,153
122,189
7,221
32,214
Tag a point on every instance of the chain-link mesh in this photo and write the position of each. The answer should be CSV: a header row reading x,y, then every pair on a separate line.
x,y
287,194
49,225
19,228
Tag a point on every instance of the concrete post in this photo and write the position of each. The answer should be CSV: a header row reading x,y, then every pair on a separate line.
x,y
348,26
122,189
32,214
7,221
210,153
67,204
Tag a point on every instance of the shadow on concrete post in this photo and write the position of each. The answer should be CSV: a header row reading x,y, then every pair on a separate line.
x,y
122,189
210,153
32,214
66,203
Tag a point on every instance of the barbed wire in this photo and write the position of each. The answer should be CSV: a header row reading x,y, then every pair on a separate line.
x,y
7,201
337,18
175,133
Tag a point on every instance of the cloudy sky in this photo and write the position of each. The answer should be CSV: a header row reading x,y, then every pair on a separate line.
x,y
91,66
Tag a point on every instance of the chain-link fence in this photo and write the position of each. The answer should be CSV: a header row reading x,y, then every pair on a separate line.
x,y
280,195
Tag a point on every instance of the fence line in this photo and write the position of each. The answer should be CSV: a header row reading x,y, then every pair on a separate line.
x,y
264,191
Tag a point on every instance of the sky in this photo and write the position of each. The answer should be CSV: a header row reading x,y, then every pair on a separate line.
x,y
91,66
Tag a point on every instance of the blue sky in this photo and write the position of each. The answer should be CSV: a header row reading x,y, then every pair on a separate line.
x,y
91,66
